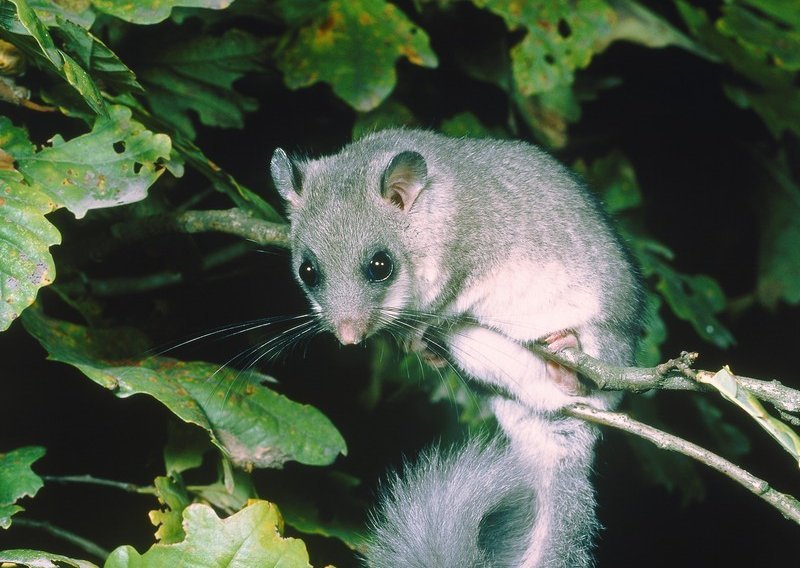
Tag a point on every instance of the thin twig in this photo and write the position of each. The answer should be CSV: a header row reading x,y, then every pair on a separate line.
x,y
232,221
86,545
786,504
123,286
91,480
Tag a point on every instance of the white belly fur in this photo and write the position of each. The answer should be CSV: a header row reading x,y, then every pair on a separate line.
x,y
520,303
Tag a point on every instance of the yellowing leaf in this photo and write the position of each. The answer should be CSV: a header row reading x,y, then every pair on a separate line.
x,y
112,165
725,382
25,234
560,37
251,537
354,47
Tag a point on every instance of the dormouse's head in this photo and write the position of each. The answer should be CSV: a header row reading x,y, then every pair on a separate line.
x,y
348,215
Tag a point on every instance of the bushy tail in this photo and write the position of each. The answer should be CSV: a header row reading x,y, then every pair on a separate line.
x,y
472,507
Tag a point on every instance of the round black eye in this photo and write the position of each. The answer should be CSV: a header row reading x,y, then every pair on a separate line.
x,y
380,267
308,273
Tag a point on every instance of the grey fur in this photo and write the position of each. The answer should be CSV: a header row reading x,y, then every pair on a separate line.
x,y
445,510
486,207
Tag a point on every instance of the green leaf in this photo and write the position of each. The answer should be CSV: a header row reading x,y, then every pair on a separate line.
x,y
153,11
614,179
222,181
228,494
112,165
67,67
354,47
25,234
38,559
777,105
635,23
672,471
694,298
94,56
299,12
17,480
728,438
50,12
185,447
198,75
406,370
36,28
172,495
560,38
776,38
655,333
251,537
467,124
390,114
254,426
769,90
80,79
781,11
333,509
779,253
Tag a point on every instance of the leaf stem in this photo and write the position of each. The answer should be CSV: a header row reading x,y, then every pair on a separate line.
x,y
68,536
112,287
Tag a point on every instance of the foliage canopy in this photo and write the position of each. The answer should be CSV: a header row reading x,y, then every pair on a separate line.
x,y
135,116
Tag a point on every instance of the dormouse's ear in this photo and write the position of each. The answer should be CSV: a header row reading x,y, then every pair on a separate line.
x,y
404,178
286,176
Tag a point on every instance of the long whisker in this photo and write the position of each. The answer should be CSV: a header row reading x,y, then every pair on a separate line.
x,y
449,325
227,331
244,355
405,326
276,344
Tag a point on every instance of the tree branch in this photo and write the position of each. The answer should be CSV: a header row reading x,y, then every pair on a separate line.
x,y
786,504
675,374
11,93
122,286
233,221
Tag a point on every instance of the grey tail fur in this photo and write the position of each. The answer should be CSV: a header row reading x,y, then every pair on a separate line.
x,y
488,505
472,507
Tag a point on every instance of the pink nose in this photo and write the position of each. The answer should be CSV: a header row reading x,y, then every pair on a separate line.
x,y
350,332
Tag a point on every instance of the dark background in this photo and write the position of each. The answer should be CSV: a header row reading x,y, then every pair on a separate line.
x,y
686,141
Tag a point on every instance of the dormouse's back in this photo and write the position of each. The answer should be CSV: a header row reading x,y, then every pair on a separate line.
x,y
516,176
506,193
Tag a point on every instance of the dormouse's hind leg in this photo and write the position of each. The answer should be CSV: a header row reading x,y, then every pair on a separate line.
x,y
558,455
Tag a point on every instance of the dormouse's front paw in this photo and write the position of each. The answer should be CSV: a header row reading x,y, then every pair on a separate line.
x,y
565,379
417,343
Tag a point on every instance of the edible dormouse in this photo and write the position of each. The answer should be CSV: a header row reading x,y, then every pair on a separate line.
x,y
494,242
